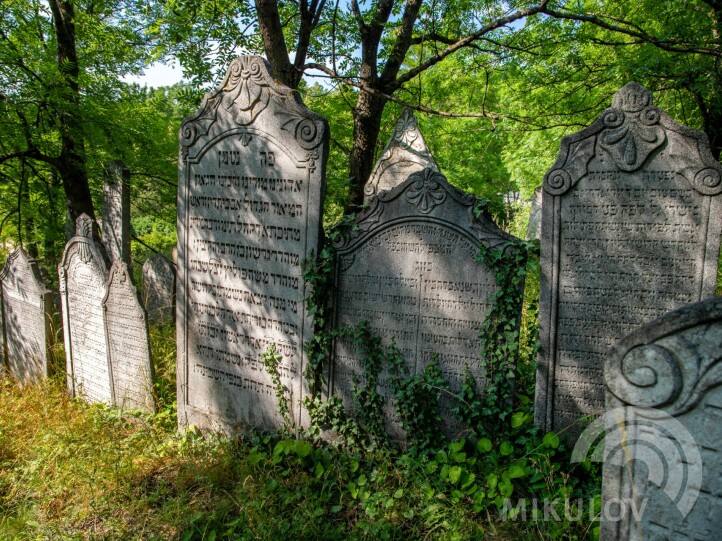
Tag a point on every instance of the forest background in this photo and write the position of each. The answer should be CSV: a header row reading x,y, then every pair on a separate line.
x,y
495,85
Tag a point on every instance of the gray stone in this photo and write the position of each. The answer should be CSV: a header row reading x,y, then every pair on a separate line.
x,y
26,306
82,273
405,153
159,289
408,270
116,212
664,452
533,230
250,190
630,230
126,331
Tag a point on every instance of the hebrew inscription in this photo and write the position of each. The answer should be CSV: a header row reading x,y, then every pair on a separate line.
x,y
631,229
126,331
82,272
663,384
26,303
409,272
250,187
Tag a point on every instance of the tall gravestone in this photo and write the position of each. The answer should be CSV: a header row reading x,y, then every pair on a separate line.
x,y
82,272
631,226
26,306
159,275
408,270
405,153
533,230
251,184
672,471
116,211
126,331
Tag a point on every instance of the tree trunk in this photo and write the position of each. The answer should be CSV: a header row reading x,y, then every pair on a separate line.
x,y
274,43
71,162
366,127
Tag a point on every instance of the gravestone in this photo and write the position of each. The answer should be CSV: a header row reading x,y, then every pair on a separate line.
x,y
82,272
631,225
116,211
408,270
664,391
159,289
405,153
533,230
126,332
26,307
251,183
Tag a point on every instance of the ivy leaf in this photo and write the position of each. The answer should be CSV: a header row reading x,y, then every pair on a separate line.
x,y
551,440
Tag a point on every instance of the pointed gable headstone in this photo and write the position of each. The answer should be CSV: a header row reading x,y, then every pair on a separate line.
x,y
408,270
405,153
82,273
631,222
126,330
26,306
250,189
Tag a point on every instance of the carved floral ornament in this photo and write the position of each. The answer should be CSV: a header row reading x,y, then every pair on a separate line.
x,y
427,190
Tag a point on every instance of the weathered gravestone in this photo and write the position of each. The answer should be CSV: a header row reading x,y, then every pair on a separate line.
x,y
664,433
533,230
116,212
251,181
82,272
405,153
630,229
159,289
408,270
26,306
126,331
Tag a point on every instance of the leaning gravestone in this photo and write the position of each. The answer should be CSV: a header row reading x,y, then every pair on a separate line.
x,y
630,230
26,306
82,272
126,332
408,270
533,230
405,153
159,289
116,211
251,180
663,453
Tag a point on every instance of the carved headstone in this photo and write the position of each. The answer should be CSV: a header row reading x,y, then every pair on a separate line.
x,y
664,448
159,289
533,230
82,272
116,211
251,181
405,153
26,306
408,270
126,331
630,230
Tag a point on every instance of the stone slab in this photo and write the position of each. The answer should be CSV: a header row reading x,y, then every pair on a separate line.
x,y
533,230
116,212
663,386
405,153
159,277
26,325
250,193
82,272
631,226
408,270
126,332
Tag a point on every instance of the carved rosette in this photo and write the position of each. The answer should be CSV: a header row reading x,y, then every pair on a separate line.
x,y
427,190
632,131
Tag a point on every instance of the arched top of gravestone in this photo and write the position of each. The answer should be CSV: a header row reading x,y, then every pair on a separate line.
x,y
427,196
120,278
630,134
19,268
252,103
649,368
85,246
405,153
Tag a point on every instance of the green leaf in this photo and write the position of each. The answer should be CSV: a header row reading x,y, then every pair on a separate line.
x,y
506,448
483,445
455,474
516,471
518,419
551,440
